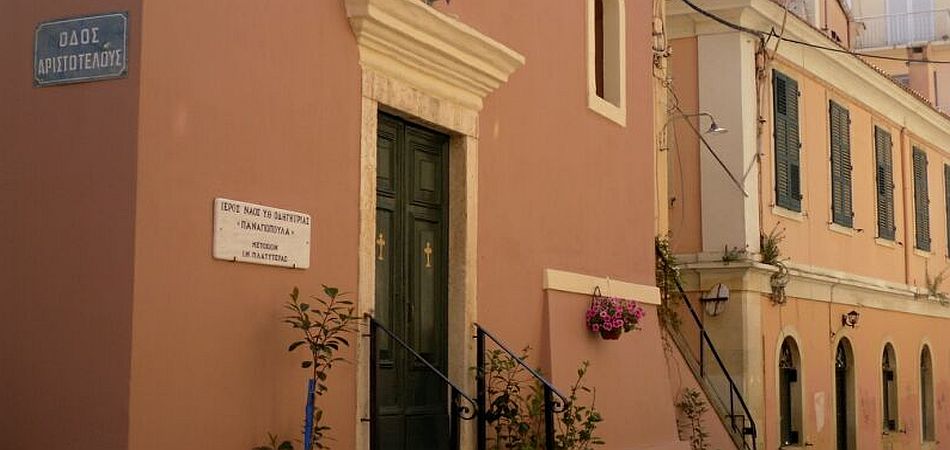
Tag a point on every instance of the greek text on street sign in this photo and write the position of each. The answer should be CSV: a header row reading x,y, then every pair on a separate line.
x,y
81,49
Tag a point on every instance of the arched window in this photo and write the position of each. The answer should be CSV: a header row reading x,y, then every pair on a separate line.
x,y
926,396
889,388
844,397
790,393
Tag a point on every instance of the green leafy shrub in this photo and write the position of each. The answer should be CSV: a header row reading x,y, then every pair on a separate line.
x,y
323,326
515,411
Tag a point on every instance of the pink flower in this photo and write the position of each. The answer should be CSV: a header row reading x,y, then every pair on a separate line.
x,y
595,328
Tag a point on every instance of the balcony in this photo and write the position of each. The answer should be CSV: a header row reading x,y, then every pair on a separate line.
x,y
903,30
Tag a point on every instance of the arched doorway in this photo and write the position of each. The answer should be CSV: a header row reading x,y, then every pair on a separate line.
x,y
790,393
926,396
889,388
844,397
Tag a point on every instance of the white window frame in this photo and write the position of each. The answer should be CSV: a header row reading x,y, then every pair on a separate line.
x,y
614,103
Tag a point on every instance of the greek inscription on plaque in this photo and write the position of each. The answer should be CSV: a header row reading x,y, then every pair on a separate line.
x,y
259,234
81,49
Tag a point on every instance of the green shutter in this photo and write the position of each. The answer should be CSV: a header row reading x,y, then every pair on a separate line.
x,y
787,146
921,200
840,126
884,174
946,198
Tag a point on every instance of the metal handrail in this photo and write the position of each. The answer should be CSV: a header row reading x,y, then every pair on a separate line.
x,y
704,338
459,410
551,405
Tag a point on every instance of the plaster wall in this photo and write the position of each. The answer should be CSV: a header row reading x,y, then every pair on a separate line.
x,y
816,326
67,186
836,22
560,186
684,151
257,102
630,374
809,237
941,72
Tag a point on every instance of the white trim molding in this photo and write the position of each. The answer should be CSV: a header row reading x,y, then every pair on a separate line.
x,y
846,74
412,42
613,105
816,284
575,283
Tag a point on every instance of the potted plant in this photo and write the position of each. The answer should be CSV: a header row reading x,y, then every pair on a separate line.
x,y
613,316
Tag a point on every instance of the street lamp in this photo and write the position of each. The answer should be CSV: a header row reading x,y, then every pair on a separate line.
x,y
850,319
714,127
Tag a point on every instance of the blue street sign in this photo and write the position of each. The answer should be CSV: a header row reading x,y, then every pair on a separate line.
x,y
81,49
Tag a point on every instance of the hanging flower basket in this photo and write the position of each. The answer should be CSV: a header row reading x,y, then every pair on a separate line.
x,y
613,316
611,335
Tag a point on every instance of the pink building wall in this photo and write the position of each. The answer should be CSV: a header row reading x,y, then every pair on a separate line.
x,y
165,347
68,175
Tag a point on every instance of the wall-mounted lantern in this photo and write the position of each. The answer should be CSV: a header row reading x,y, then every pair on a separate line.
x,y
715,299
850,319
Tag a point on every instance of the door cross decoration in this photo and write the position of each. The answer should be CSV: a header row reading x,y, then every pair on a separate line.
x,y
380,243
428,252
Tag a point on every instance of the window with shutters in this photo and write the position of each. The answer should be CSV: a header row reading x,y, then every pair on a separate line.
x,y
840,125
889,388
946,202
786,142
926,395
921,200
606,72
884,178
790,393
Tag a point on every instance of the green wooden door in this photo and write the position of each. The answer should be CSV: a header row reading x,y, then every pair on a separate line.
x,y
411,284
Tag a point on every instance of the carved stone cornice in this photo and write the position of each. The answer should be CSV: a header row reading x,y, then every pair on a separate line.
x,y
411,42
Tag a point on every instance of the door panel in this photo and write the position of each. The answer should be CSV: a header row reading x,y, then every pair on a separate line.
x,y
411,285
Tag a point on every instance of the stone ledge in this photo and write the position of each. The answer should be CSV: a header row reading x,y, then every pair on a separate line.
x,y
416,44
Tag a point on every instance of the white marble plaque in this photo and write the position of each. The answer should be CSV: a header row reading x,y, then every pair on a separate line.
x,y
261,234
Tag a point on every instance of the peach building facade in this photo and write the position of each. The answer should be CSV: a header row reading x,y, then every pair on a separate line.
x,y
534,124
849,171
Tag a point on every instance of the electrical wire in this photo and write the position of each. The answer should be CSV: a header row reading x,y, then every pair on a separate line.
x,y
763,35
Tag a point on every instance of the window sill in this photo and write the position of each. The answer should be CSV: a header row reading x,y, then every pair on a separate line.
x,y
841,229
885,242
617,114
788,214
923,253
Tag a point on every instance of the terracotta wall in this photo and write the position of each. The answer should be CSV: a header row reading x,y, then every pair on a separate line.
x,y
67,183
684,151
816,326
257,102
587,180
811,240
562,187
261,102
836,22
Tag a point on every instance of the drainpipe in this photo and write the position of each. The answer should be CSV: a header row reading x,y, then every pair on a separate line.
x,y
908,205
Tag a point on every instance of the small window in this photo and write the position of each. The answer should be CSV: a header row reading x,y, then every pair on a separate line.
x,y
884,179
926,395
606,60
921,200
839,120
790,393
787,144
889,388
